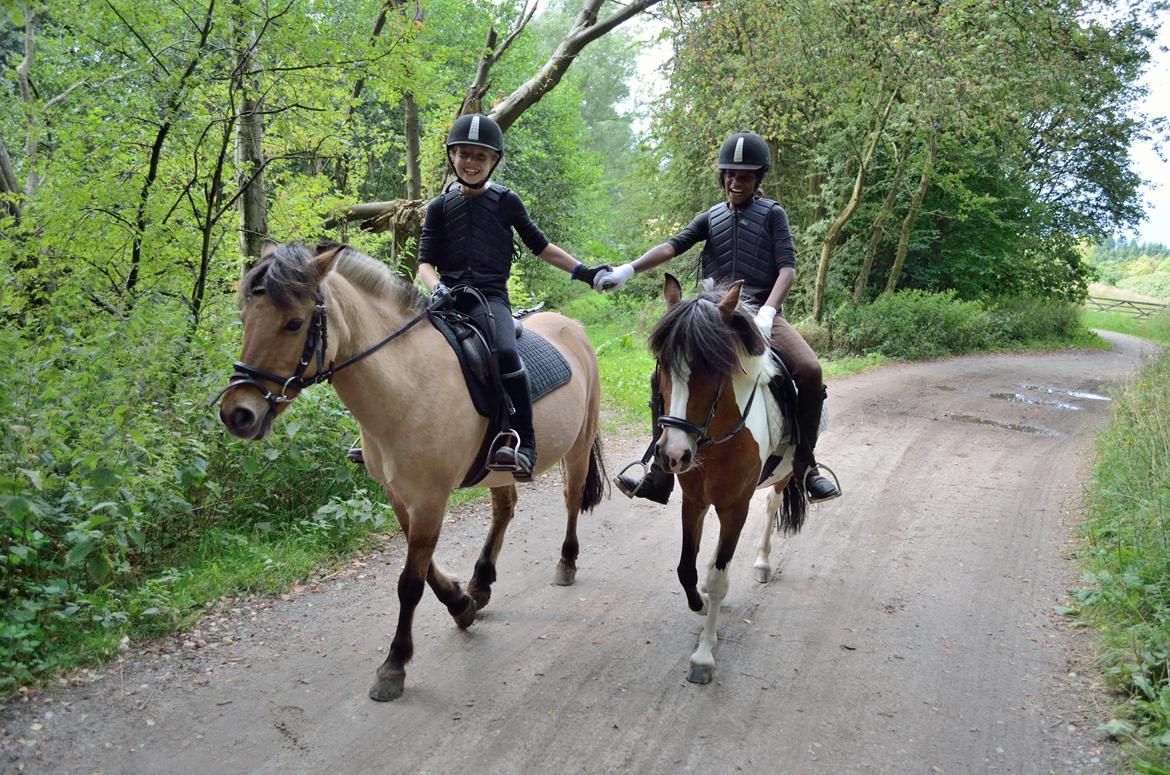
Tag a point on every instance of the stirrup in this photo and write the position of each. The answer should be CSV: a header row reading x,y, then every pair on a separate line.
x,y
815,467
508,439
508,443
624,485
354,455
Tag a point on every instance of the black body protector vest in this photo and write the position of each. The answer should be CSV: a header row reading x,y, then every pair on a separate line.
x,y
739,247
477,241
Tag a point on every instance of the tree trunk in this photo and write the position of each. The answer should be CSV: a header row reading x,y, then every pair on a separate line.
x,y
912,214
9,185
413,173
253,201
879,222
838,225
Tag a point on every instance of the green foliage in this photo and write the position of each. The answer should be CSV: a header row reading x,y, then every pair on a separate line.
x,y
1126,583
914,324
1155,284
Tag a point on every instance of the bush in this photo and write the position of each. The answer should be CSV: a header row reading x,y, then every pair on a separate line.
x,y
912,325
1020,319
115,469
1156,285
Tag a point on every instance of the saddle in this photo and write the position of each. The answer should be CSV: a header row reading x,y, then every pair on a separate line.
x,y
547,370
783,390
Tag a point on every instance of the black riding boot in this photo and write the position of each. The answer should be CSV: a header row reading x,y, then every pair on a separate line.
x,y
655,484
808,415
522,457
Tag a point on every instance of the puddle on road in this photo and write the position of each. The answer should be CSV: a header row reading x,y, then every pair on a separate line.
x,y
1011,426
1067,392
1020,398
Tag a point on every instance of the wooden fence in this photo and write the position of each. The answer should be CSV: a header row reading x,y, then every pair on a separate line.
x,y
1138,309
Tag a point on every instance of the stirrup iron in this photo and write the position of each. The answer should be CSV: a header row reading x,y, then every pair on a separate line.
x,y
817,468
625,489
508,439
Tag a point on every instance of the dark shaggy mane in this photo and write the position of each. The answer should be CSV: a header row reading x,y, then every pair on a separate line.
x,y
288,276
693,332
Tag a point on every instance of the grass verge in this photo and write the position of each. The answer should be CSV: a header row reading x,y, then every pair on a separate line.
x,y
1126,554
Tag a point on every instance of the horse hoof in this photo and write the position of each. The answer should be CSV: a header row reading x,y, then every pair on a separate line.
x,y
700,674
566,574
388,687
481,595
466,617
763,574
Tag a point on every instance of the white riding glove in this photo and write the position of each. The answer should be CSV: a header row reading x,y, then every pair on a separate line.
x,y
764,320
614,280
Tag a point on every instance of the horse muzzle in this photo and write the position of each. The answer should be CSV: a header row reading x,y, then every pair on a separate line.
x,y
676,455
246,416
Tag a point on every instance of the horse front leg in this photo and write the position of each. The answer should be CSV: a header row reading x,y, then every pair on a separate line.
x,y
391,676
731,523
763,564
692,534
503,507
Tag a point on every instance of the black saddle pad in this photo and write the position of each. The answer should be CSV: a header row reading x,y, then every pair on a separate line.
x,y
547,368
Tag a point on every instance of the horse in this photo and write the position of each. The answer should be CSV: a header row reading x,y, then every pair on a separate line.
x,y
305,310
723,425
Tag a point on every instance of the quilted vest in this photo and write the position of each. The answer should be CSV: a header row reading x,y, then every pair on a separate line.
x,y
739,247
477,241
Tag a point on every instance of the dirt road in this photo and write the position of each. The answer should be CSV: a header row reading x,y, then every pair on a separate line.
x,y
911,628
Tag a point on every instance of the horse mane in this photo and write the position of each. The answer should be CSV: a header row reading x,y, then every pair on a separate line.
x,y
694,333
288,276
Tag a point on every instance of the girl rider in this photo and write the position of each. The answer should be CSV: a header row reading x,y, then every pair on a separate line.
x,y
467,240
746,238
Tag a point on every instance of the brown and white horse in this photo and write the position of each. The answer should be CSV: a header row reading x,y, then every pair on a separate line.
x,y
306,310
722,425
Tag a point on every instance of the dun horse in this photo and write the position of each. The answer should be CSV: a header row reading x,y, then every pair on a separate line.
x,y
304,311
723,425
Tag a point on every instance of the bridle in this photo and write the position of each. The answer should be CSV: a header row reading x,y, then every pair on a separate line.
x,y
702,437
316,343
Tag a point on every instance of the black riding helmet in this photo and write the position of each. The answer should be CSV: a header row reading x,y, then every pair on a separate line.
x,y
476,129
745,151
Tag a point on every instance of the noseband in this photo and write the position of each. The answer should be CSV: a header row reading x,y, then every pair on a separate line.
x,y
702,437
316,343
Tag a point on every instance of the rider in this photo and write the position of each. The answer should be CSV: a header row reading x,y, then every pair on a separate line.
x,y
746,238
467,240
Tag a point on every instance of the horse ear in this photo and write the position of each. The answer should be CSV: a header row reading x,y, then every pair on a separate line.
x,y
267,248
730,301
324,260
671,290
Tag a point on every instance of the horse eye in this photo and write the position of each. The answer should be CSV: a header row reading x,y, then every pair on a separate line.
x,y
293,325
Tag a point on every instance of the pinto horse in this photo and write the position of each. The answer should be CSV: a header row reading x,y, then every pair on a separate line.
x,y
304,311
723,425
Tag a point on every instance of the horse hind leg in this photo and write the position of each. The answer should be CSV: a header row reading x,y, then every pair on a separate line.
x,y
579,470
762,567
503,507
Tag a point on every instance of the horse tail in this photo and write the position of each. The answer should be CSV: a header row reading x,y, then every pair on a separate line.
x,y
595,480
794,510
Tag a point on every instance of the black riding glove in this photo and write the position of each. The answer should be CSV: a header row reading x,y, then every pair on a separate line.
x,y
586,274
441,296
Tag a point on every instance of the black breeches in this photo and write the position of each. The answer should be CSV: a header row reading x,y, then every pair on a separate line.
x,y
501,324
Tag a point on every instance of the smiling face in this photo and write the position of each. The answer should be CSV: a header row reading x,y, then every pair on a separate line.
x,y
472,163
739,185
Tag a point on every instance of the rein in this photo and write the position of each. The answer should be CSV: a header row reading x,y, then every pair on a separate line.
x,y
316,343
703,438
